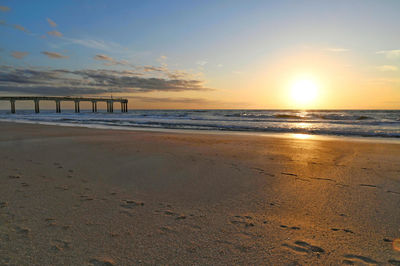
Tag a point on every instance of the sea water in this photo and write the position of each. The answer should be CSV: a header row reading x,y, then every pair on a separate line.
x,y
363,123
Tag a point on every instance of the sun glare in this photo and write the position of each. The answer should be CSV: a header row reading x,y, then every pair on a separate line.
x,y
304,91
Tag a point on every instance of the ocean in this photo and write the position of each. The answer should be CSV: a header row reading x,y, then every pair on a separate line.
x,y
360,123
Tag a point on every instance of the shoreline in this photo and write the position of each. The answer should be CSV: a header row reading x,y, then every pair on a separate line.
x,y
79,196
216,132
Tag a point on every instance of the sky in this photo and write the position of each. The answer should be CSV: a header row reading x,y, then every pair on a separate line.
x,y
204,54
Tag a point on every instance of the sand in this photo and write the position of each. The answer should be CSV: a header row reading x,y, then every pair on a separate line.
x,y
78,196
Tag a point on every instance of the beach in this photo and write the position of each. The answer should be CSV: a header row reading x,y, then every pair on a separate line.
x,y
82,196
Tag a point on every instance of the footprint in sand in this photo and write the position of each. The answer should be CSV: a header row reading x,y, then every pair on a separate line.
x,y
86,198
323,179
283,173
130,204
51,222
167,229
393,192
368,185
168,212
60,245
102,262
3,204
304,247
242,220
64,187
394,262
180,217
289,227
344,230
14,176
351,259
22,230
262,171
171,213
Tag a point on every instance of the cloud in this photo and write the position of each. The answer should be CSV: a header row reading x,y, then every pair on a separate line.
x,y
54,55
5,8
51,23
391,54
336,50
87,82
153,69
55,33
95,44
103,57
202,62
172,100
387,68
19,55
15,26
19,27
187,101
110,61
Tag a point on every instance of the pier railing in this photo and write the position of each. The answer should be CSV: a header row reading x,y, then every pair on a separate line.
x,y
76,100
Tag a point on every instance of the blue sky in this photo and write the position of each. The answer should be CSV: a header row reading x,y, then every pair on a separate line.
x,y
226,45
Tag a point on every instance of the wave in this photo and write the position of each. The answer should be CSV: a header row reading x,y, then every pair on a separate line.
x,y
289,116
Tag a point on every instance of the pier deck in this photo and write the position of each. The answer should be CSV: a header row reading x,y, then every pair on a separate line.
x,y
58,99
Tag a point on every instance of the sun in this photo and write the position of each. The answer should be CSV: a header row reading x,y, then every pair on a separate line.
x,y
304,91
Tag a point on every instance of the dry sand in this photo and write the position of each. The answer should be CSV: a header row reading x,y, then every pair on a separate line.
x,y
78,196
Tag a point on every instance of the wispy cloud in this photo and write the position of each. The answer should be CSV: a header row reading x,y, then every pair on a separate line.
x,y
103,57
5,8
55,33
391,54
54,55
51,23
387,68
202,62
14,26
87,81
336,50
21,28
19,55
110,61
95,44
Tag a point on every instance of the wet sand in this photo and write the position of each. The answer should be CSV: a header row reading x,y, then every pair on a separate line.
x,y
78,196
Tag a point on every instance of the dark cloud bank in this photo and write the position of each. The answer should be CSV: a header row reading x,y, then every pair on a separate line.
x,y
87,82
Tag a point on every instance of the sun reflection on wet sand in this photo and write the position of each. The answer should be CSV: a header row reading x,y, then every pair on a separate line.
x,y
301,136
396,244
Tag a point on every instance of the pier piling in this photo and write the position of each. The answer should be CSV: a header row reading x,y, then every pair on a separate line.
x,y
37,108
58,107
12,106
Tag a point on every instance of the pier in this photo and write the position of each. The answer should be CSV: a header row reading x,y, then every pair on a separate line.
x,y
58,99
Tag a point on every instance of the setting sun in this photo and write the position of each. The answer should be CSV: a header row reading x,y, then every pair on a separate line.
x,y
304,91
